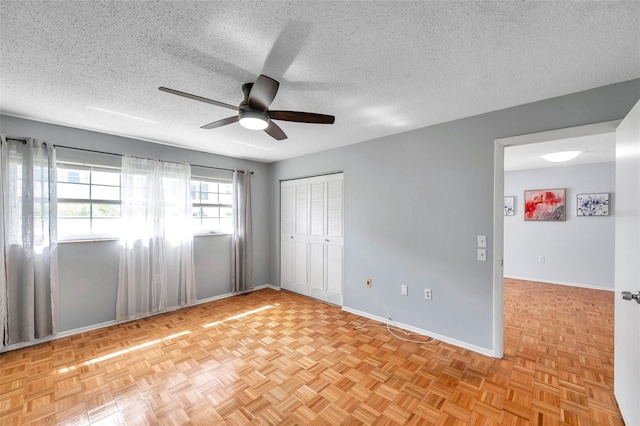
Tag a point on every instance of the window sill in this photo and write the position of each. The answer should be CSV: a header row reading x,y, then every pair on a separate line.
x,y
87,240
93,239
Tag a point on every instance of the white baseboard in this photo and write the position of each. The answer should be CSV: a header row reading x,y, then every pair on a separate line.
x,y
92,327
230,294
592,287
455,342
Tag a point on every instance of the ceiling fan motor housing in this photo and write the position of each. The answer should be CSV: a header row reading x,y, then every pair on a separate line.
x,y
252,118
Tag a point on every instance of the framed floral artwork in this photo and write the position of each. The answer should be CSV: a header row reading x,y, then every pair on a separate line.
x,y
509,206
544,204
595,204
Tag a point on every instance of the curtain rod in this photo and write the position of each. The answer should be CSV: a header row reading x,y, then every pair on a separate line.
x,y
120,155
24,141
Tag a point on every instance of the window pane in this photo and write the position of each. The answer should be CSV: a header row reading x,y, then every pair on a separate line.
x,y
72,190
106,210
226,188
70,210
209,187
73,176
105,226
226,212
209,197
226,225
83,184
210,212
105,178
74,226
210,224
99,192
226,199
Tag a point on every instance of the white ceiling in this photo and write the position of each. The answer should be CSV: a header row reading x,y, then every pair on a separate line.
x,y
594,149
380,67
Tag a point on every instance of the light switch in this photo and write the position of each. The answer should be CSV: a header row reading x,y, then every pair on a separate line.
x,y
482,240
482,255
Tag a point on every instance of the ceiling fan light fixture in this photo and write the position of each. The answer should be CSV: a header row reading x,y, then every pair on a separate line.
x,y
253,120
560,157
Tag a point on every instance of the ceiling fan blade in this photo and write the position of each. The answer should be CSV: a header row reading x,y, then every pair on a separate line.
x,y
275,131
197,98
263,92
302,117
220,123
286,48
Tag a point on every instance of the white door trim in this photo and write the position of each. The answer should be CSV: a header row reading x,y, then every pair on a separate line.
x,y
498,208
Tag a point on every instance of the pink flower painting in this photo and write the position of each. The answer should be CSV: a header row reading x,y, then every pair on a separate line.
x,y
545,204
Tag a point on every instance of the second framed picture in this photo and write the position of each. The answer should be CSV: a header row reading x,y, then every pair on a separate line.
x,y
509,206
544,204
593,204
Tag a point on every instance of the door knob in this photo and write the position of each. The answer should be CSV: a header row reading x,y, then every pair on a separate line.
x,y
627,295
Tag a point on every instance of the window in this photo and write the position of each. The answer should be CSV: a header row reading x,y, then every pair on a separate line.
x,y
211,200
88,200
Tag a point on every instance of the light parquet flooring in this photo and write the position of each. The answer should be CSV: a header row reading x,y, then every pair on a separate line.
x,y
272,357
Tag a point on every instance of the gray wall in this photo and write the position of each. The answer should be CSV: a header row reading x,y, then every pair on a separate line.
x,y
88,271
579,251
414,203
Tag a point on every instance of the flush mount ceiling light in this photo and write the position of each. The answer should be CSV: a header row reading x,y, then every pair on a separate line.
x,y
559,157
254,120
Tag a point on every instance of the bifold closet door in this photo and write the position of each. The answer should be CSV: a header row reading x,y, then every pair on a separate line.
x,y
311,237
294,237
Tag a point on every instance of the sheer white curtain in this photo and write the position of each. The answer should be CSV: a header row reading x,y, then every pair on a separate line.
x,y
156,255
241,240
29,266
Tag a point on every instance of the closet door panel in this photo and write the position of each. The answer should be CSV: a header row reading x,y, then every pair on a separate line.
x,y
286,263
287,209
334,267
301,277
302,209
316,269
317,211
335,210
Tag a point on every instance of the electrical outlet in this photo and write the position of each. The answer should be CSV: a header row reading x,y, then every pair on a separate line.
x,y
482,240
404,290
369,282
541,259
427,293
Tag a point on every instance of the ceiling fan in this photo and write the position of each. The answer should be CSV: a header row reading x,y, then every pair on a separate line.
x,y
253,111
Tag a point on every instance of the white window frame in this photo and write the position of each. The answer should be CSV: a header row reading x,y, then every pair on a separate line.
x,y
89,167
199,204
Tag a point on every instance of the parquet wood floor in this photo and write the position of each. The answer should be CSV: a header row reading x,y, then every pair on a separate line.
x,y
273,357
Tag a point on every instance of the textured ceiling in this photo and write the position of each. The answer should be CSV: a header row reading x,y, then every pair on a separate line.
x,y
379,67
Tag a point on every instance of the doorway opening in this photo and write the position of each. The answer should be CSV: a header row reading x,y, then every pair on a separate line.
x,y
524,143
